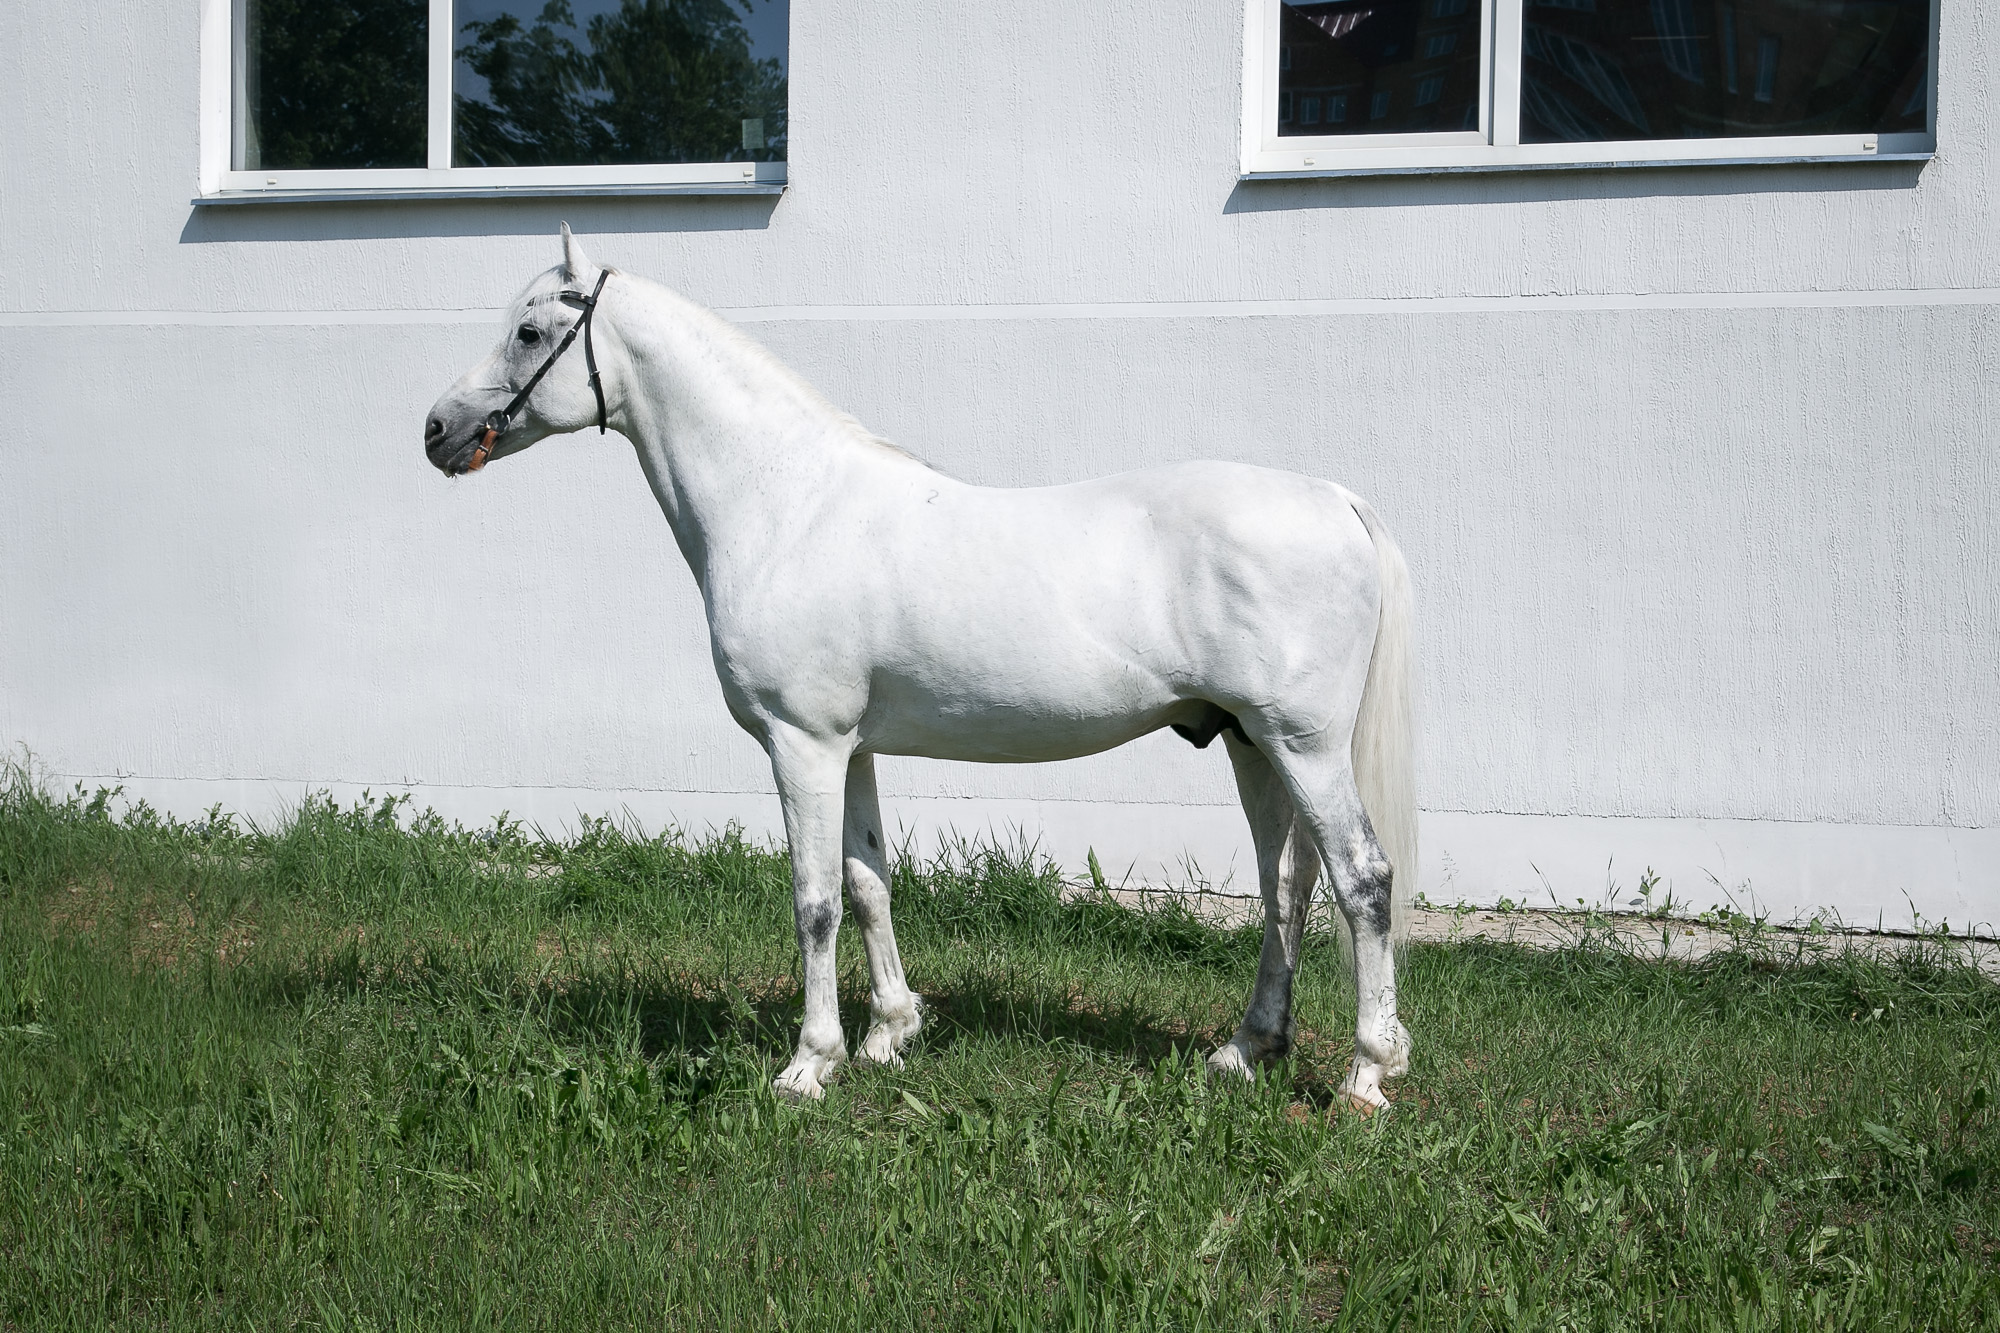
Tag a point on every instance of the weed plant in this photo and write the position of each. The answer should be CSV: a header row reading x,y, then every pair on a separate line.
x,y
364,1069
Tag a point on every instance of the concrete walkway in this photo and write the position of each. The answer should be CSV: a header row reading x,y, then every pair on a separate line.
x,y
1680,939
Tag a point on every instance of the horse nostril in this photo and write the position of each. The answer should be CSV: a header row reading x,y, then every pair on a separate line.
x,y
433,429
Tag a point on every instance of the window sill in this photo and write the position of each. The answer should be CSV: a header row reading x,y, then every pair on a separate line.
x,y
417,193
1309,162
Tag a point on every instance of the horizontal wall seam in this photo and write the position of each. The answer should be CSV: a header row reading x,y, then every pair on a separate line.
x,y
1104,310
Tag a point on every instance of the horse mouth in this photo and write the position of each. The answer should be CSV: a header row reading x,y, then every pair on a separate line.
x,y
458,462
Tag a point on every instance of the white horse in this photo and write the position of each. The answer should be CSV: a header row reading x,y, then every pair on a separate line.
x,y
861,603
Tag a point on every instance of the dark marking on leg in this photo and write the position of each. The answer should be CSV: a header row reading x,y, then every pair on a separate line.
x,y
1371,897
873,845
819,922
1208,726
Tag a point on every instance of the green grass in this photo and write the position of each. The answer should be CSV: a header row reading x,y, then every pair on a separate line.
x,y
360,1072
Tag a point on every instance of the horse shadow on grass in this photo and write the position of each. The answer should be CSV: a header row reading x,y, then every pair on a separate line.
x,y
674,1021
673,1016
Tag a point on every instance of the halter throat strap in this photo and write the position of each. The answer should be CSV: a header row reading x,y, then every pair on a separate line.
x,y
498,422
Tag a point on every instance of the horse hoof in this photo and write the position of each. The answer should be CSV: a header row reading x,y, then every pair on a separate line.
x,y
879,1049
1230,1062
1363,1088
802,1081
798,1087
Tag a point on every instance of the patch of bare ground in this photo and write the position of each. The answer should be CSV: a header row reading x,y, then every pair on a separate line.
x,y
156,931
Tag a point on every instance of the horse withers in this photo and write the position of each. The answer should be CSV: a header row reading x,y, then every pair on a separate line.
x,y
861,603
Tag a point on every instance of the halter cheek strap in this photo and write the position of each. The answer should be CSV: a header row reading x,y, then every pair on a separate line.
x,y
498,422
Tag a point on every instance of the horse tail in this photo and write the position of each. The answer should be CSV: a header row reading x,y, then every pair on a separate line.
x,y
1384,747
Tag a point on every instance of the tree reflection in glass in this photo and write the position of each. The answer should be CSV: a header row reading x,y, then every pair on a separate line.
x,y
603,82
329,84
1596,70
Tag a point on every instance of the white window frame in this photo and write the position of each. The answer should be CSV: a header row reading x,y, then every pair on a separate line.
x,y
219,183
1496,145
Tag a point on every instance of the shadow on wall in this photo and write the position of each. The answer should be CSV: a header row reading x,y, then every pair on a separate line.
x,y
367,220
1527,186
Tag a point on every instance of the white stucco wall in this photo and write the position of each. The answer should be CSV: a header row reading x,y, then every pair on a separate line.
x,y
1694,468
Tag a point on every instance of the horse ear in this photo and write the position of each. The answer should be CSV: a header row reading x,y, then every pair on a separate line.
x,y
575,264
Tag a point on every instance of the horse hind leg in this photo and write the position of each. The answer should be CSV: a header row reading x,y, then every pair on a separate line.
x,y
896,1013
1323,791
1287,867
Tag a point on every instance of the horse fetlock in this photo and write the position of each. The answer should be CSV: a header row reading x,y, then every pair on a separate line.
x,y
1398,1063
1388,1047
890,1032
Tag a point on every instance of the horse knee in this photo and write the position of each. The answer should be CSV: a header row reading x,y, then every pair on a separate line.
x,y
868,896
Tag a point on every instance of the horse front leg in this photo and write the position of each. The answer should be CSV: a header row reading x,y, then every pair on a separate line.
x,y
897,1013
811,774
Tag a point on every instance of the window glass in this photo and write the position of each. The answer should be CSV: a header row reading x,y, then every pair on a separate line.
x,y
1697,69
601,82
329,83
1414,64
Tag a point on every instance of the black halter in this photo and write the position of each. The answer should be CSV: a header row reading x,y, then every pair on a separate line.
x,y
497,422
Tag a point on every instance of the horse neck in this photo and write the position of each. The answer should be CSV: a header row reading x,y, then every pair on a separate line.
x,y
734,444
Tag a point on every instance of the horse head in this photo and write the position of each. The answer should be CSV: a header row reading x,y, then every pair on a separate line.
x,y
527,389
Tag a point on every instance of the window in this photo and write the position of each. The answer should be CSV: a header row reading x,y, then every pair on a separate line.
x,y
339,97
1451,84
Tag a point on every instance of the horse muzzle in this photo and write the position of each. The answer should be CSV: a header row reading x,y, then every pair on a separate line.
x,y
454,457
496,424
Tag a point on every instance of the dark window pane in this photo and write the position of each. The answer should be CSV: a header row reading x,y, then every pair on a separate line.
x,y
331,83
600,82
1596,70
1404,66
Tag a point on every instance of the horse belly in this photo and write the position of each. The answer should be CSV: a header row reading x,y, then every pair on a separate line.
x,y
908,716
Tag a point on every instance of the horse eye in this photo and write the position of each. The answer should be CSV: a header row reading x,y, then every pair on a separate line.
x,y
528,334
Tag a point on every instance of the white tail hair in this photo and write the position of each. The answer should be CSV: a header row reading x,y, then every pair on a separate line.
x,y
1385,728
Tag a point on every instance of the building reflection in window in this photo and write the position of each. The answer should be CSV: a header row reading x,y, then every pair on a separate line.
x,y
1413,64
1699,69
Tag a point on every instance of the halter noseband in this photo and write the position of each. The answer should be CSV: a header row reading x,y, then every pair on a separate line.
x,y
497,422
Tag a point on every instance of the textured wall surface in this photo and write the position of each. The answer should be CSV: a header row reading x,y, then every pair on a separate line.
x,y
1695,469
